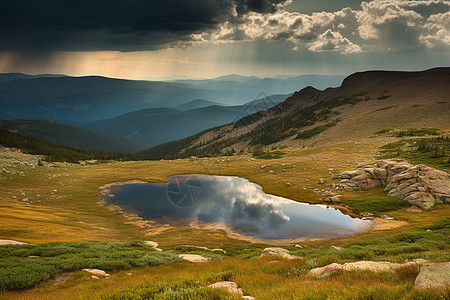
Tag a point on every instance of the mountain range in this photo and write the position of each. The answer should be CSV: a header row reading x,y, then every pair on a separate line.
x,y
367,103
93,98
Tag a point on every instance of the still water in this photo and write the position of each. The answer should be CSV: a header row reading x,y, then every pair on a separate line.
x,y
233,202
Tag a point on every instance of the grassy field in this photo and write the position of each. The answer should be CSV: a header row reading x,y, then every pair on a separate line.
x,y
57,202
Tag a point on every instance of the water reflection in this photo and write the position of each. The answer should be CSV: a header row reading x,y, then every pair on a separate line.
x,y
240,205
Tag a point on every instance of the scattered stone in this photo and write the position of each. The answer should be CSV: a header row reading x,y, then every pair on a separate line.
x,y
129,274
94,277
298,246
420,185
366,214
271,171
336,248
206,248
434,275
364,265
195,258
288,184
265,166
320,181
278,252
429,230
96,272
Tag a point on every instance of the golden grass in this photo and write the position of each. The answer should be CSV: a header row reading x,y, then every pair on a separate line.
x,y
49,204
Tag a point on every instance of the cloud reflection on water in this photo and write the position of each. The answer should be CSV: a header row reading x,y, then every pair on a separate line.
x,y
240,205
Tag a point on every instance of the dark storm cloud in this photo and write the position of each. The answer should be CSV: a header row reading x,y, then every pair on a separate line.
x,y
124,25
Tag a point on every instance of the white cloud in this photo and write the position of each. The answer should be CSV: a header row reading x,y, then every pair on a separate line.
x,y
333,41
380,25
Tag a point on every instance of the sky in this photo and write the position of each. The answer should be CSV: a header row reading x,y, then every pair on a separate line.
x,y
168,39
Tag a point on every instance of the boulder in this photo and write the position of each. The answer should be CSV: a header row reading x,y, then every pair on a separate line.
x,y
434,275
96,272
375,266
277,252
195,258
420,185
230,286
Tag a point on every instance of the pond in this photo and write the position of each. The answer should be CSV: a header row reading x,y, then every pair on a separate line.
x,y
235,203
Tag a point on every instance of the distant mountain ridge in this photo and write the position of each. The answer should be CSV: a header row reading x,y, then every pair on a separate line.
x,y
365,103
156,126
91,98
62,134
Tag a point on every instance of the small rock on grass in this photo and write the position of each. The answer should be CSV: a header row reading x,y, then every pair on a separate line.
x,y
277,252
195,258
96,272
375,266
232,288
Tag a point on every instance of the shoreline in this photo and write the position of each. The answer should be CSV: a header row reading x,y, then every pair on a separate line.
x,y
152,227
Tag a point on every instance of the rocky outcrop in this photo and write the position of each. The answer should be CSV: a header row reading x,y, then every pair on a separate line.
x,y
278,252
435,275
376,266
420,185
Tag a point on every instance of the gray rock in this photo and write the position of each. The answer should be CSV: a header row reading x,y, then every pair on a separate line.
x,y
375,266
420,185
434,276
278,252
230,286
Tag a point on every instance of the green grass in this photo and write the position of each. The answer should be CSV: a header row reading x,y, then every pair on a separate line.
x,y
418,132
23,266
432,245
434,152
55,152
375,204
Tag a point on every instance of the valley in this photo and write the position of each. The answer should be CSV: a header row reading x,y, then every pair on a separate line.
x,y
51,199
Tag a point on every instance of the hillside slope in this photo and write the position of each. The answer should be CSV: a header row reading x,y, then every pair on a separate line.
x,y
157,126
366,103
62,134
